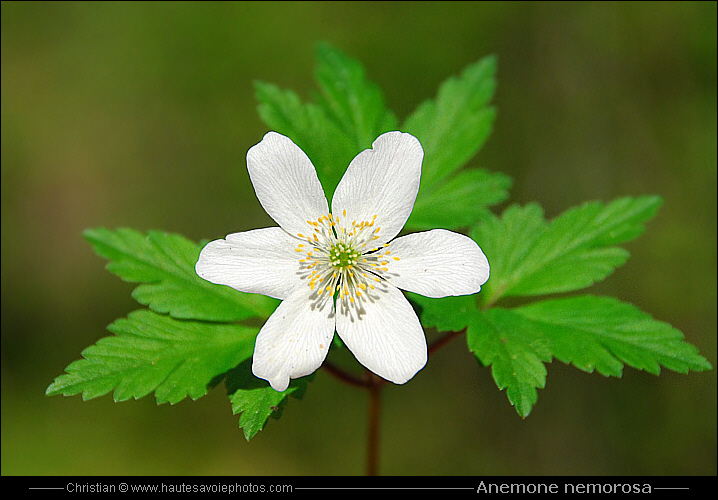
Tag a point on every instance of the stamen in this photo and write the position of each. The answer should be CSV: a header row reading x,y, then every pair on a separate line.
x,y
337,259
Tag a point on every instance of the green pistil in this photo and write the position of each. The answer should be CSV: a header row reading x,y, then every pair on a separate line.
x,y
343,256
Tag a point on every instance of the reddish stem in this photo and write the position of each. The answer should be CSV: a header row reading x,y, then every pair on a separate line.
x,y
374,384
372,462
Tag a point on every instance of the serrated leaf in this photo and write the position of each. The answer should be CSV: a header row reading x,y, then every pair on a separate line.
x,y
348,116
328,147
591,333
255,401
470,193
586,330
163,264
453,127
350,99
152,352
517,364
529,256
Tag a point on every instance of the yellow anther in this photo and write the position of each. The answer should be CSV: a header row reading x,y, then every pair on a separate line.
x,y
396,258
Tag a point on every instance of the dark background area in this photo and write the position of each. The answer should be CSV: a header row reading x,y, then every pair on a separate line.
x,y
140,115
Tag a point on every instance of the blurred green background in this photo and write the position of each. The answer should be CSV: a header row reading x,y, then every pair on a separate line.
x,y
140,114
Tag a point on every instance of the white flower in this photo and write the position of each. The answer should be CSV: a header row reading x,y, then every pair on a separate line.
x,y
340,270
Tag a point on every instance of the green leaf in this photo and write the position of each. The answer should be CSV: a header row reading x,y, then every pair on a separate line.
x,y
152,352
448,314
469,193
163,264
350,99
328,147
591,333
453,127
529,256
516,359
603,333
255,401
348,116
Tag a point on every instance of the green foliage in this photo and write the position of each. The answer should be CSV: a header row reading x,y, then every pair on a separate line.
x,y
188,339
192,337
255,401
350,114
471,193
349,99
163,264
153,352
452,128
530,256
591,333
310,128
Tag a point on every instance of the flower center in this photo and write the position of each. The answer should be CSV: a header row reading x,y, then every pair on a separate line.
x,y
341,259
343,256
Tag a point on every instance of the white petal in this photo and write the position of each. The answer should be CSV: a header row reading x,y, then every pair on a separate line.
x,y
294,341
384,334
286,183
382,181
436,263
258,261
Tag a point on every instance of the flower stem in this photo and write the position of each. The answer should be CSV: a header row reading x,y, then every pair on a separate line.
x,y
441,342
373,384
372,462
